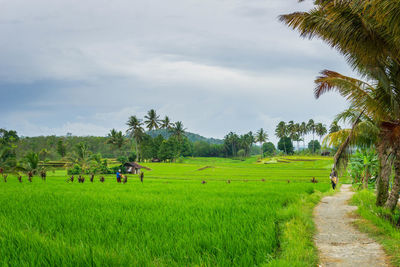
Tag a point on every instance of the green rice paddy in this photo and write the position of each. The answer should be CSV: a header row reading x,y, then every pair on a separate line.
x,y
262,217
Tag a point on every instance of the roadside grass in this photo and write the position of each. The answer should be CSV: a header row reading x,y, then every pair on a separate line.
x,y
374,222
172,219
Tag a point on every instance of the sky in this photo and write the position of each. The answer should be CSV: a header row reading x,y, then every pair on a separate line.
x,y
84,67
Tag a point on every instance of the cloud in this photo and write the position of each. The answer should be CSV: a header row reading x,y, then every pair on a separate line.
x,y
86,66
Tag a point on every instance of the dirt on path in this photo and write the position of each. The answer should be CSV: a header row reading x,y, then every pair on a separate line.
x,y
338,241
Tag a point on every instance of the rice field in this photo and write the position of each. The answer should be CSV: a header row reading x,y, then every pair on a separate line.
x,y
172,219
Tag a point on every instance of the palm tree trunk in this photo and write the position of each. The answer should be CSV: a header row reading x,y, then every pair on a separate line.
x,y
366,179
391,203
313,150
136,147
346,142
261,150
385,172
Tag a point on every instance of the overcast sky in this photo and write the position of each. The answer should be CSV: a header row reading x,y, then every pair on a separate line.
x,y
216,65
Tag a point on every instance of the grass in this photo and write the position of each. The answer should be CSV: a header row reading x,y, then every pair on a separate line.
x,y
373,221
172,219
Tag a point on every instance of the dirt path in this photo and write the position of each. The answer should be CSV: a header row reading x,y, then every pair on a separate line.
x,y
338,242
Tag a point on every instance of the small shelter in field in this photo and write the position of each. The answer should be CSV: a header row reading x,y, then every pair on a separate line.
x,y
134,168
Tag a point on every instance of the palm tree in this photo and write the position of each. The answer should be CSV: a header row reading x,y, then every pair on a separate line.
x,y
136,131
261,137
116,138
31,163
320,130
281,132
166,123
311,129
334,127
367,33
152,120
178,130
83,156
303,131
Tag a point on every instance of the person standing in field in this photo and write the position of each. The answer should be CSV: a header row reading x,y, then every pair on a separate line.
x,y
118,176
334,179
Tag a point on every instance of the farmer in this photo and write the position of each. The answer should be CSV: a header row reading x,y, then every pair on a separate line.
x,y
118,176
334,179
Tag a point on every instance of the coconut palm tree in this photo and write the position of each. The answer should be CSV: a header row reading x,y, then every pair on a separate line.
x,y
30,163
368,34
320,130
311,129
303,131
281,131
261,137
116,138
135,131
152,120
178,130
334,127
166,123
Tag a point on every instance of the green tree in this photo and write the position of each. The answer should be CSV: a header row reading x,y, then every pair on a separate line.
x,y
314,146
61,148
285,144
364,164
166,123
334,127
261,137
30,162
320,130
367,33
269,149
152,120
135,131
311,129
116,138
281,132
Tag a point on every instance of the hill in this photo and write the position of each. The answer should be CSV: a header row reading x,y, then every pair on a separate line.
x,y
191,136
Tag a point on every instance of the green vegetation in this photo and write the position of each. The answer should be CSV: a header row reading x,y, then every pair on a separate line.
x,y
367,34
262,215
380,223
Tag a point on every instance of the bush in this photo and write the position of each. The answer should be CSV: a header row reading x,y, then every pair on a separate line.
x,y
75,170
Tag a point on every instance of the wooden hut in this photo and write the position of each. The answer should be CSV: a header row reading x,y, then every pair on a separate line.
x,y
134,168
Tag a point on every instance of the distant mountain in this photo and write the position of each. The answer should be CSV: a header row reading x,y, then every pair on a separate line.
x,y
191,136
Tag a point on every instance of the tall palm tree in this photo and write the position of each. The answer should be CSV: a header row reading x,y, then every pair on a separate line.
x,y
303,130
334,127
311,129
116,138
261,137
135,131
152,120
368,34
166,123
178,130
281,131
320,130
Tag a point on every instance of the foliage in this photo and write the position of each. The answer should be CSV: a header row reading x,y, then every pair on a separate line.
x,y
285,144
378,222
171,219
364,166
268,149
116,138
314,146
